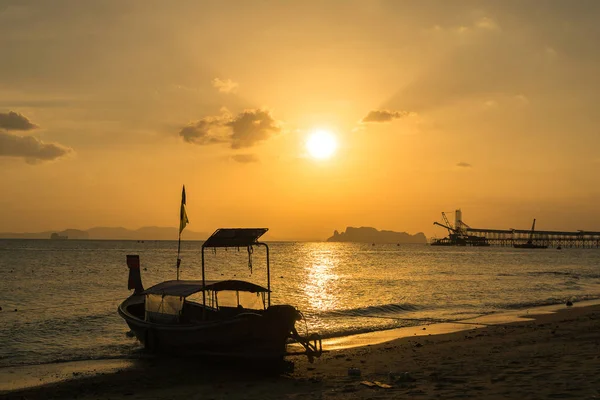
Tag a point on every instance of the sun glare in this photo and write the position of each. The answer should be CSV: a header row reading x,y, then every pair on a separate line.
x,y
321,145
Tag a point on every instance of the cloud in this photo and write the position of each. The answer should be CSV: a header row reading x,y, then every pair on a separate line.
x,y
242,131
225,86
384,116
250,127
244,158
31,149
13,121
463,164
204,131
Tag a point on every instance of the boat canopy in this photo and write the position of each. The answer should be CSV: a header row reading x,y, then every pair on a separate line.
x,y
187,288
235,237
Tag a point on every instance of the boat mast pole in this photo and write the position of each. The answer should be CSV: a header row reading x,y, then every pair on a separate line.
x,y
178,251
183,221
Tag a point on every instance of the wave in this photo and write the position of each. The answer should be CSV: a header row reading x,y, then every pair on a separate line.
x,y
372,311
369,329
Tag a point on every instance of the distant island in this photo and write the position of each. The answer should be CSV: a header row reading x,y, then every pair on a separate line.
x,y
108,233
372,235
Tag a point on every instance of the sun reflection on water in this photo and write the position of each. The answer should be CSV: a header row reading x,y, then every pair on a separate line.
x,y
321,284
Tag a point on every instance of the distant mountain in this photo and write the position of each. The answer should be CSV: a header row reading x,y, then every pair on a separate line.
x,y
372,235
144,233
113,233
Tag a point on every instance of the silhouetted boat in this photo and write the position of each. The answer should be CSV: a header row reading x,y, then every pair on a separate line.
x,y
461,240
56,236
166,318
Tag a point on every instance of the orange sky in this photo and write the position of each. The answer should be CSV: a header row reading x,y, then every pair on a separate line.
x,y
108,107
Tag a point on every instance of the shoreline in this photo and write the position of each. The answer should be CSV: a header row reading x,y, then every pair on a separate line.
x,y
81,378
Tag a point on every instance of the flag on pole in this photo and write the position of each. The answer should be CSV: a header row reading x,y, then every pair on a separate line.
x,y
183,218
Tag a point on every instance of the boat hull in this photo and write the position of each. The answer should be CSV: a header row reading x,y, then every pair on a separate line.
x,y
247,334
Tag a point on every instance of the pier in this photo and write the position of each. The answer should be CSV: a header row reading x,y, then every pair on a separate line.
x,y
510,237
461,234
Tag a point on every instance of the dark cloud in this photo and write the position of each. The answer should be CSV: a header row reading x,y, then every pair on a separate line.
x,y
244,158
250,127
463,164
242,131
12,121
204,131
384,116
31,149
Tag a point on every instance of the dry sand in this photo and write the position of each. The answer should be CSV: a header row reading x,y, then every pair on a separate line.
x,y
550,355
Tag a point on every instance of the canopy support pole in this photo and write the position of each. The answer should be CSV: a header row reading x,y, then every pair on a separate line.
x,y
268,273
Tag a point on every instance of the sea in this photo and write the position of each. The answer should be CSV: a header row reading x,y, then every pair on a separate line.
x,y
59,298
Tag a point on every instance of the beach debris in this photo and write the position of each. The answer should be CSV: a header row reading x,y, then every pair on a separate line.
x,y
0,308
376,384
569,303
353,372
15,310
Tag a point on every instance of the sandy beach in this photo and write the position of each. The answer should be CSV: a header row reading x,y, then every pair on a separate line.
x,y
548,355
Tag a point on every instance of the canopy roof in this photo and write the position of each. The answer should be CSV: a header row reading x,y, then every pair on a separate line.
x,y
235,237
186,288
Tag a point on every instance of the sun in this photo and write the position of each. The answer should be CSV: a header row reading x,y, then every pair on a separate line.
x,y
321,144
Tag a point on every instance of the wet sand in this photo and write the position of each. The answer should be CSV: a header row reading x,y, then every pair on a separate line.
x,y
544,355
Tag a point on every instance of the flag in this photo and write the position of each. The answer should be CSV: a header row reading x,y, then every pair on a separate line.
x,y
183,219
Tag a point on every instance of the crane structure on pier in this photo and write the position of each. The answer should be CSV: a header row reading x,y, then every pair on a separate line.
x,y
457,234
461,234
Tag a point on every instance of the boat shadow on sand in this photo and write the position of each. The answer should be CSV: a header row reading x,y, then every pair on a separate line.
x,y
205,374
